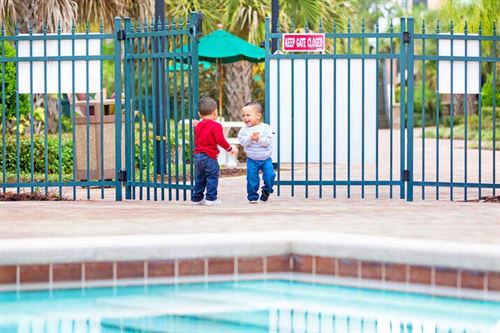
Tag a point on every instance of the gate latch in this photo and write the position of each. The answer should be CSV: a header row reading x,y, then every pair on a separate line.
x,y
122,176
406,175
120,34
406,37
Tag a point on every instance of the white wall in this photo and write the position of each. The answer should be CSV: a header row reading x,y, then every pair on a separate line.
x,y
328,96
459,74
66,49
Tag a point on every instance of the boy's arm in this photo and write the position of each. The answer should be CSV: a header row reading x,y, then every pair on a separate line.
x,y
220,139
244,137
265,137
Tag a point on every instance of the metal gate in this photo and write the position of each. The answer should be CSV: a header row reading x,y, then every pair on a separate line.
x,y
345,119
161,100
96,148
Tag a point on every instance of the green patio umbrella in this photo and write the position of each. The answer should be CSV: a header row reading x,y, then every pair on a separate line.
x,y
222,47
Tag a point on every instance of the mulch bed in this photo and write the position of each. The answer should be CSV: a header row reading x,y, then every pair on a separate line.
x,y
27,196
488,198
39,196
232,172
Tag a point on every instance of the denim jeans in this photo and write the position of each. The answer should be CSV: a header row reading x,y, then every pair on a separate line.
x,y
206,176
253,179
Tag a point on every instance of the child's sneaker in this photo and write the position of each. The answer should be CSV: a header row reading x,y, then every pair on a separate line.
x,y
264,196
199,203
213,202
252,202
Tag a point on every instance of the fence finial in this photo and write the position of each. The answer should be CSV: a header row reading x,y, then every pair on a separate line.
x,y
158,24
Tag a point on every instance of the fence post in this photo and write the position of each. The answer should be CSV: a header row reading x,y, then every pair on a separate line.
x,y
402,107
196,22
118,108
410,87
129,144
267,103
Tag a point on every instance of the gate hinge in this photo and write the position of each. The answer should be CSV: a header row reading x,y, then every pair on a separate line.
x,y
406,175
406,37
122,176
120,35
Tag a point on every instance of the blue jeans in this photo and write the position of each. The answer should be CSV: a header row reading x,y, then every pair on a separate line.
x,y
253,179
206,176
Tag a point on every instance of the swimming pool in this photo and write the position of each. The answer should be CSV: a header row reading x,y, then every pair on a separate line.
x,y
243,306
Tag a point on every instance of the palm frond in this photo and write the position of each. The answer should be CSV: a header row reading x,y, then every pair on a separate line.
x,y
7,11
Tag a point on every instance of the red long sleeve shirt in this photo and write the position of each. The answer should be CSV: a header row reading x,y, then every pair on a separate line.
x,y
207,135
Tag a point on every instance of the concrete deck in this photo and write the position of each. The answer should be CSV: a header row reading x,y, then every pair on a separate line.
x,y
465,222
456,234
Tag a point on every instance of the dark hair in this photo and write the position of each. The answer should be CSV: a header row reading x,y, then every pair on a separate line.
x,y
207,106
256,106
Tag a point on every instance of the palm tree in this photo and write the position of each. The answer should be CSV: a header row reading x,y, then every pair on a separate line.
x,y
245,18
64,12
55,13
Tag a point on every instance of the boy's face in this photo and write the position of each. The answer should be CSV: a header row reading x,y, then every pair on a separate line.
x,y
251,117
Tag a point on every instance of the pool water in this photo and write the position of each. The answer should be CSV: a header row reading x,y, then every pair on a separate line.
x,y
269,306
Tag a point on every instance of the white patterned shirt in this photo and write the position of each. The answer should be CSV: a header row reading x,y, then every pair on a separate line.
x,y
260,150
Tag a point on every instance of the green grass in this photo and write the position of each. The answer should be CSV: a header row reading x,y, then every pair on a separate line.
x,y
472,136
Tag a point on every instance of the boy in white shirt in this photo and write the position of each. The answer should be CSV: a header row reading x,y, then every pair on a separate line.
x,y
256,139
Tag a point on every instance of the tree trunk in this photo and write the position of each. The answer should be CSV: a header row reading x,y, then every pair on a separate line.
x,y
238,78
458,104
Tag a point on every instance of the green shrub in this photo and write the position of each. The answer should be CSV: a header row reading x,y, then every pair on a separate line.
x,y
150,152
8,75
38,154
487,92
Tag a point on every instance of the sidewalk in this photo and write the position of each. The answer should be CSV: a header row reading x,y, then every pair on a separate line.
x,y
465,222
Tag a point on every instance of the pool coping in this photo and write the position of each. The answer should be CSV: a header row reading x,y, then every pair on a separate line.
x,y
459,255
48,261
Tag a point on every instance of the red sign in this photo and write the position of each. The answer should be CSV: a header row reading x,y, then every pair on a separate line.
x,y
303,42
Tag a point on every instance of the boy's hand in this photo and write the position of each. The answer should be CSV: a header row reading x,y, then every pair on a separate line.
x,y
255,136
233,151
195,122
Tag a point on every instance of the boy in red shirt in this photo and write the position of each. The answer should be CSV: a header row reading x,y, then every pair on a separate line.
x,y
207,135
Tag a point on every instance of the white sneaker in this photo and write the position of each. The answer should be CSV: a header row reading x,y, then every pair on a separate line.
x,y
199,203
213,202
253,202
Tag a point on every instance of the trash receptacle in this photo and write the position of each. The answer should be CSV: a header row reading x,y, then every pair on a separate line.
x,y
94,152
